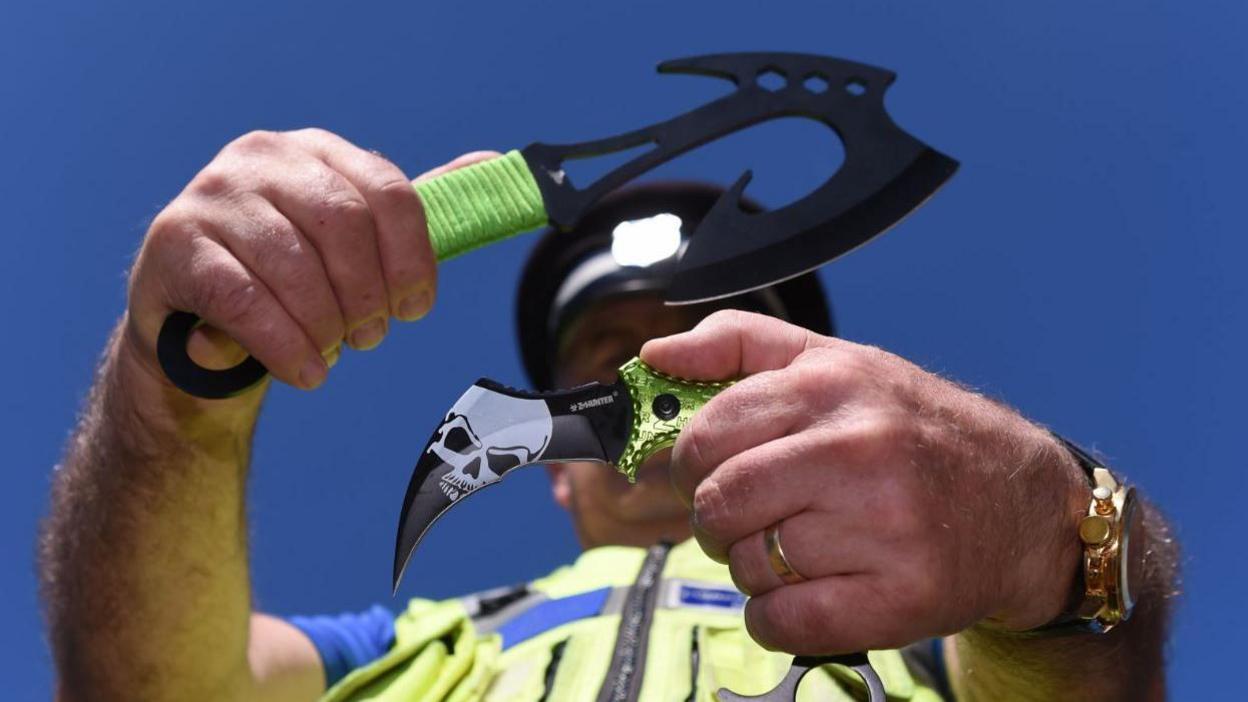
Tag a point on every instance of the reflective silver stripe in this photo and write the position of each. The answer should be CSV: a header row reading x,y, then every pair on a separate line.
x,y
615,601
489,623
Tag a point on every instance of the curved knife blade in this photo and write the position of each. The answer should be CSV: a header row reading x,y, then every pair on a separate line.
x,y
492,430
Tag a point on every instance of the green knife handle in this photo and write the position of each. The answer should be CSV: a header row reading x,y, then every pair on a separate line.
x,y
662,406
480,204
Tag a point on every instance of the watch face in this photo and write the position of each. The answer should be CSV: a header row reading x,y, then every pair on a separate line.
x,y
1130,563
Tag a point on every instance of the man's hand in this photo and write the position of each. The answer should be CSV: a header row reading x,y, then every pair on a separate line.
x,y
914,508
288,243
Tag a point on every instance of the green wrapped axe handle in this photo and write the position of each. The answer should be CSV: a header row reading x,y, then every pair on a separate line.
x,y
480,204
465,209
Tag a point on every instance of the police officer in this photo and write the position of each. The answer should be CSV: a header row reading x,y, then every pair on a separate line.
x,y
859,501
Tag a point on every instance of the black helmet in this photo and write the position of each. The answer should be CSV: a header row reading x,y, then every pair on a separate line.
x,y
566,271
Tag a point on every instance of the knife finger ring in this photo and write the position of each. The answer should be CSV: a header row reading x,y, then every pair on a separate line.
x,y
786,690
775,556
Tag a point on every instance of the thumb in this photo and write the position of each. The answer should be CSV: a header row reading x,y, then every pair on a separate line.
x,y
460,162
729,344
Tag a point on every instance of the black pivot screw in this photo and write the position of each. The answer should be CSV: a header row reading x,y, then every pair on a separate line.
x,y
665,406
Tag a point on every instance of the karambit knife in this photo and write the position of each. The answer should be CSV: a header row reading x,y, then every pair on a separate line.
x,y
885,175
493,429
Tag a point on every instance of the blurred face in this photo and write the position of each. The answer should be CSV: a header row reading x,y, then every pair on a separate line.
x,y
605,508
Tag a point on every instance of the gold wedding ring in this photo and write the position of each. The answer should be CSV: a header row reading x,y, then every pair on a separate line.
x,y
775,555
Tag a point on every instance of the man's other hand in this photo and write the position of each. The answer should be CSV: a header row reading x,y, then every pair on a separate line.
x,y
913,507
289,244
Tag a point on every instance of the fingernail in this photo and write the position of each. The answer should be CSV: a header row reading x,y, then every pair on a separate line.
x,y
313,373
331,356
414,306
368,334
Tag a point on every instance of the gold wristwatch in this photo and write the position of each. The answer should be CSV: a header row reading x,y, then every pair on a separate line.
x,y
1111,534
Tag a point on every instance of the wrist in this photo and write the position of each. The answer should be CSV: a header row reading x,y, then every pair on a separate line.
x,y
1049,566
143,394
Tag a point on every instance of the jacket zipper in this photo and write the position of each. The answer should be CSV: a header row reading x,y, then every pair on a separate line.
x,y
695,662
628,662
552,669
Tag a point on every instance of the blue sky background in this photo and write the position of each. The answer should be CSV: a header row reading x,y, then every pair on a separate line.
x,y
1085,264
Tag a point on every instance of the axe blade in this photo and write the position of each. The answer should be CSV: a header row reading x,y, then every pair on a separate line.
x,y
886,174
733,252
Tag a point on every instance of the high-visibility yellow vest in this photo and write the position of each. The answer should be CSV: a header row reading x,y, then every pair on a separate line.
x,y
620,624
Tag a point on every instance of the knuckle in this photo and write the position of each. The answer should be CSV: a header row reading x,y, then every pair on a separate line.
x,y
713,509
877,437
812,383
173,227
724,408
892,428
345,214
282,348
256,141
237,306
744,579
829,358
395,191
823,373
296,276
315,133
277,251
405,271
726,318
712,547
233,301
854,443
776,621
833,363
749,571
696,440
214,182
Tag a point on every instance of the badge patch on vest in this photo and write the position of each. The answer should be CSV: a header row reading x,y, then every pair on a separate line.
x,y
686,593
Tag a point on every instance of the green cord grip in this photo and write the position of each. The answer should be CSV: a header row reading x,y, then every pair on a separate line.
x,y
480,204
662,406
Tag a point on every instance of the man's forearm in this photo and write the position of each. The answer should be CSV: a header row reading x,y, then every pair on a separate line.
x,y
143,556
1125,664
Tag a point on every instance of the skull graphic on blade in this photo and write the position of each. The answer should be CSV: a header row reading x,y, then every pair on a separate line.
x,y
485,435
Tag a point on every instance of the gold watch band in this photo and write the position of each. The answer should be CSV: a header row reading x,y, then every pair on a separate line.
x,y
1102,597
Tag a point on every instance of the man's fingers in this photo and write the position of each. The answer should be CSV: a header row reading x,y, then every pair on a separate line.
x,y
729,344
833,615
333,214
762,486
407,259
751,413
272,247
816,545
236,301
